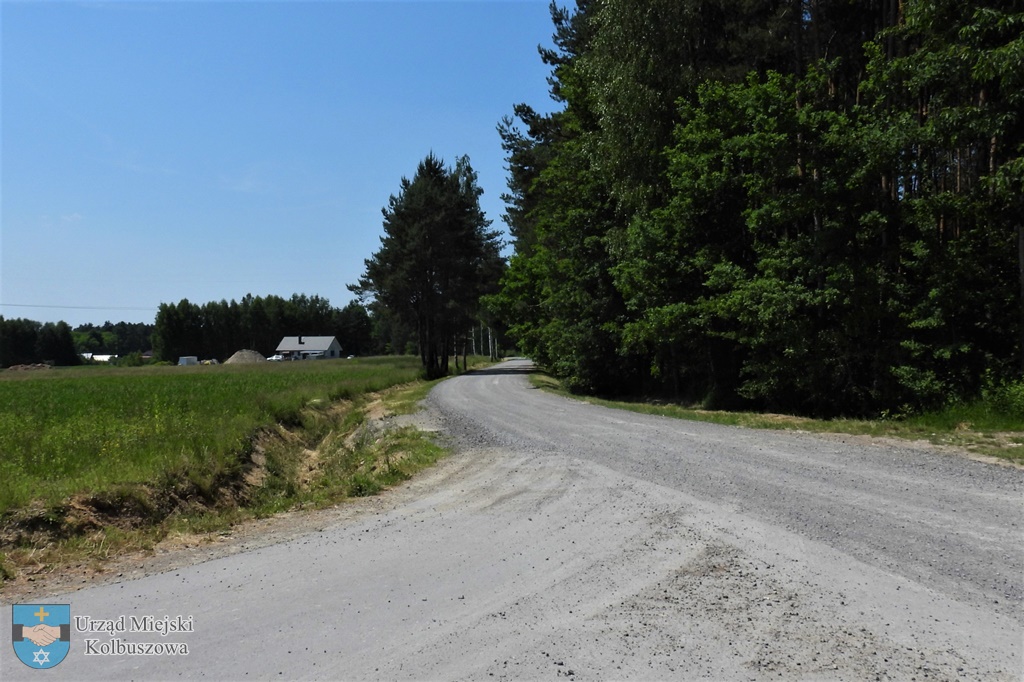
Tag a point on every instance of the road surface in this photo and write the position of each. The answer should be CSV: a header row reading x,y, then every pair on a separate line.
x,y
569,541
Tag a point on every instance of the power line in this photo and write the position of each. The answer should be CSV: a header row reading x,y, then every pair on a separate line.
x,y
72,307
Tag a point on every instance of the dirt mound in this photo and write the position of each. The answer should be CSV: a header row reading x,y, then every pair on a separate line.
x,y
28,368
245,357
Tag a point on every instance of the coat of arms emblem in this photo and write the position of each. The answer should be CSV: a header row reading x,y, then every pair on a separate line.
x,y
41,633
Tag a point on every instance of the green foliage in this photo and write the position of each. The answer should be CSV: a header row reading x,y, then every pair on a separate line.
x,y
752,206
436,260
130,360
1007,398
558,299
25,342
354,329
122,338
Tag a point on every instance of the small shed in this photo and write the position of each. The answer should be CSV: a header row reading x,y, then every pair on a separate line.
x,y
309,347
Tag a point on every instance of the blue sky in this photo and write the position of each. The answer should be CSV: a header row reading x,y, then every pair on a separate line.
x,y
154,151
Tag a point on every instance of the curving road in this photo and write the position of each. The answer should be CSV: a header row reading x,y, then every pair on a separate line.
x,y
565,540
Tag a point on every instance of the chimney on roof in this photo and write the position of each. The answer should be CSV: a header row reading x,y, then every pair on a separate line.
x,y
301,342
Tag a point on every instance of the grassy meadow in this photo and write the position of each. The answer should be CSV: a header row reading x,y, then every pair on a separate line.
x,y
87,430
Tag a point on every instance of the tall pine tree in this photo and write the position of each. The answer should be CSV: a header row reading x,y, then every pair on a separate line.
x,y
435,260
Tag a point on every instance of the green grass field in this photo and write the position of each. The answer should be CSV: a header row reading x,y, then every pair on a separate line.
x,y
88,430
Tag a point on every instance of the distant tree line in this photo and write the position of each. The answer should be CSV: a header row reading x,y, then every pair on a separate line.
x,y
212,330
30,342
216,330
121,338
26,342
803,205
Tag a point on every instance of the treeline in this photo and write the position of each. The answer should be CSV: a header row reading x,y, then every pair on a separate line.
x,y
216,330
26,342
121,338
803,205
212,330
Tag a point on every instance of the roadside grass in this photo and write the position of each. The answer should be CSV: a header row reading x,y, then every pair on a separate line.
x,y
984,428
211,447
353,454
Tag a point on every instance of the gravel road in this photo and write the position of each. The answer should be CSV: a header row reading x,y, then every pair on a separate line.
x,y
568,541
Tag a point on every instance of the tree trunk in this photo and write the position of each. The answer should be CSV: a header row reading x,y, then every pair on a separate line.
x,y
445,352
421,335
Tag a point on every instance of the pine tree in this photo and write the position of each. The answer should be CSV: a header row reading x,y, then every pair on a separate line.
x,y
435,258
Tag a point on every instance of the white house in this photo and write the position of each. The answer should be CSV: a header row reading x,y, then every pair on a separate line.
x,y
309,347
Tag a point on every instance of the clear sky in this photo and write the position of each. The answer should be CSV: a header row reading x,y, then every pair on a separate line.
x,y
154,151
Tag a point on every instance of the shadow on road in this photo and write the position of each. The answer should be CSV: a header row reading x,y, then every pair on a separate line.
x,y
504,368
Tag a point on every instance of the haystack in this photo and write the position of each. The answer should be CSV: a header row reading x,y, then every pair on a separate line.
x,y
245,357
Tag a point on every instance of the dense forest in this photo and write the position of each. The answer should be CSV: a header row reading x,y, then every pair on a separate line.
x,y
806,205
219,329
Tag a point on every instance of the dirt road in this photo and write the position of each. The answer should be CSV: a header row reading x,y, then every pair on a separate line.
x,y
567,541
